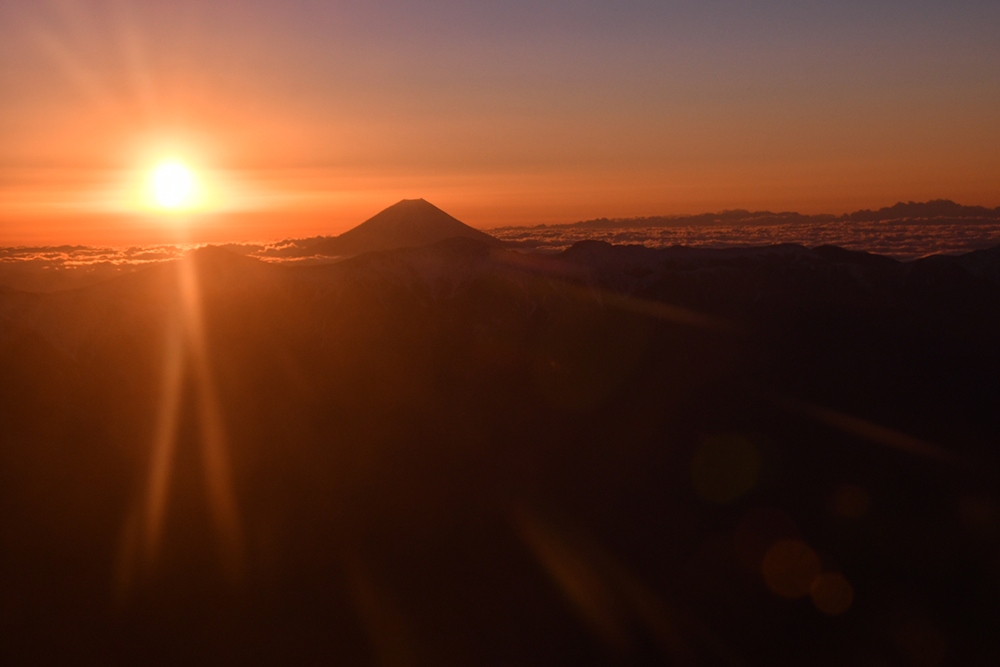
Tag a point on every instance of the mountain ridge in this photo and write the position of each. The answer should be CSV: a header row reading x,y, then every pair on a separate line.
x,y
935,209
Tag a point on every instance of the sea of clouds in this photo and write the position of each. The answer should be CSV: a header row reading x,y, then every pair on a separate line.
x,y
903,241
51,268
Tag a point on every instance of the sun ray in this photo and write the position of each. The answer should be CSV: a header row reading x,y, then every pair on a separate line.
x,y
186,350
161,463
215,457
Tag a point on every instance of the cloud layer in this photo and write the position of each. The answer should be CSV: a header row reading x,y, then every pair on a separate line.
x,y
60,267
900,240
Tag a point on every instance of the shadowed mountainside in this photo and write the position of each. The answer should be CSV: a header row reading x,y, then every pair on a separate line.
x,y
459,454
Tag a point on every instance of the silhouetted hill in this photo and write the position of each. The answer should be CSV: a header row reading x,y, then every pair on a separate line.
x,y
407,224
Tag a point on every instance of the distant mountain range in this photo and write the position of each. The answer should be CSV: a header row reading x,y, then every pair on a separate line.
x,y
412,223
939,210
416,222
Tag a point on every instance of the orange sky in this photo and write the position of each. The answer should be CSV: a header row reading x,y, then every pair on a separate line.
x,y
304,118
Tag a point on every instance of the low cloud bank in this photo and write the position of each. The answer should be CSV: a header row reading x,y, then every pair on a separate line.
x,y
63,267
904,240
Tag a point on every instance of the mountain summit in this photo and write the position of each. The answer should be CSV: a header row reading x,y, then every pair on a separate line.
x,y
407,224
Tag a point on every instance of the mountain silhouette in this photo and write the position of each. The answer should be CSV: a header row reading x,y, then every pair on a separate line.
x,y
939,210
409,223
931,210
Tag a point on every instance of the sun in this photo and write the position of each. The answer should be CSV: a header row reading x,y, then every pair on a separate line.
x,y
173,185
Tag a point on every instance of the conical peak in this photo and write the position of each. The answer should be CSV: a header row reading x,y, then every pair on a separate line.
x,y
410,203
409,212
411,206
408,223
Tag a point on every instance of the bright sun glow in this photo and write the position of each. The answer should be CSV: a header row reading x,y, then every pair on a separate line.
x,y
173,185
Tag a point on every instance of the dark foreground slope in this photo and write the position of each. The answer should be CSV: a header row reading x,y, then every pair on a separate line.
x,y
462,455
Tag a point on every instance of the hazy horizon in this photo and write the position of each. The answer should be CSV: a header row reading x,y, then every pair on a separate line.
x,y
194,229
302,118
